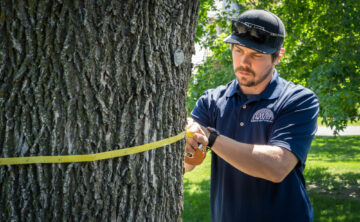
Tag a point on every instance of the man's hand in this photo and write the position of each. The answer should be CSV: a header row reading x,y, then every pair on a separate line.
x,y
200,136
193,143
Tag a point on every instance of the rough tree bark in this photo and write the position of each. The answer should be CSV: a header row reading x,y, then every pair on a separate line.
x,y
81,77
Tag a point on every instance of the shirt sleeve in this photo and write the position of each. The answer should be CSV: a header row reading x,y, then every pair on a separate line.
x,y
295,127
204,110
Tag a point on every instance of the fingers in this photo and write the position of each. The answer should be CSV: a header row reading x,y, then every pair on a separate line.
x,y
191,144
200,138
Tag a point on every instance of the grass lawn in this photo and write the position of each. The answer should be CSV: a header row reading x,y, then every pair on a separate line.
x,y
332,174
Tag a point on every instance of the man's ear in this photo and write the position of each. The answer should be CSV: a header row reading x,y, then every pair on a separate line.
x,y
281,54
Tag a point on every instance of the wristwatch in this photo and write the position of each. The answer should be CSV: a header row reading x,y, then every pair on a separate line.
x,y
212,137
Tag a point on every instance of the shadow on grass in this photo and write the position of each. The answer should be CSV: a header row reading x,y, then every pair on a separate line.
x,y
336,148
342,185
329,209
196,201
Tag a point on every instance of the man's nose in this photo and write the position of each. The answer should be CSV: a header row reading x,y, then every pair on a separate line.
x,y
245,60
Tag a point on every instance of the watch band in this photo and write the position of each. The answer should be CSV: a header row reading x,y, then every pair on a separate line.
x,y
212,137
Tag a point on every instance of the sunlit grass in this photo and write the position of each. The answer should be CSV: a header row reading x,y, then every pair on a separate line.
x,y
197,193
335,167
342,148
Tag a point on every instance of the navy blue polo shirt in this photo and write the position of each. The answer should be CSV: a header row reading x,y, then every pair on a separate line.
x,y
284,115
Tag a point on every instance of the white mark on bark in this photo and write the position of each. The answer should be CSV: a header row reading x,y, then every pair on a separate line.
x,y
178,57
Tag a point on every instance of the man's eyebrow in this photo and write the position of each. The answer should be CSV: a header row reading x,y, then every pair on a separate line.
x,y
238,48
257,53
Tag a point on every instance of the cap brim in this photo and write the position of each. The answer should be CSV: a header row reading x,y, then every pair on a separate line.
x,y
234,39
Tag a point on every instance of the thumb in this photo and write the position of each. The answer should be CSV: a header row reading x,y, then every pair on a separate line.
x,y
200,138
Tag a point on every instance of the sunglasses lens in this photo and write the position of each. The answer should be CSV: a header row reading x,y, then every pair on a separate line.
x,y
259,35
255,34
241,28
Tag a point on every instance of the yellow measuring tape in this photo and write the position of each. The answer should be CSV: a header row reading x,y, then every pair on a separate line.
x,y
93,157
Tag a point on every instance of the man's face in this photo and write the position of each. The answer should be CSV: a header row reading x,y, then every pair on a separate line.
x,y
251,67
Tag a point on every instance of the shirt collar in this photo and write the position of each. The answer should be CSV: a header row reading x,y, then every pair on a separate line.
x,y
272,91
234,89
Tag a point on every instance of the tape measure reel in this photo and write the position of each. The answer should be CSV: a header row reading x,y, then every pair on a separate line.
x,y
198,157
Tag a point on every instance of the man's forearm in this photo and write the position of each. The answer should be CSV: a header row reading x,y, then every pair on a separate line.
x,y
264,161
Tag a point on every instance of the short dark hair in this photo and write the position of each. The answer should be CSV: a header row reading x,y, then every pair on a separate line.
x,y
275,55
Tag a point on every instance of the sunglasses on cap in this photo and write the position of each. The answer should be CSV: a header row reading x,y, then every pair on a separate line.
x,y
257,33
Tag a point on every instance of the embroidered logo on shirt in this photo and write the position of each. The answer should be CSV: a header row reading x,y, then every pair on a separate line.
x,y
263,115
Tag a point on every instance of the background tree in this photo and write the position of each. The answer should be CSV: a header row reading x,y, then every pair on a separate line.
x,y
81,77
322,52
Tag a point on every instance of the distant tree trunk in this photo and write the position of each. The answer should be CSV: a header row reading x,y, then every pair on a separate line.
x,y
81,77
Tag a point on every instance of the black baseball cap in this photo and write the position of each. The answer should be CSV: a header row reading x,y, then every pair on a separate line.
x,y
260,30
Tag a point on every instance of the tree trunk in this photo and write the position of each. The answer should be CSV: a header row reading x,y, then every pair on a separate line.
x,y
81,77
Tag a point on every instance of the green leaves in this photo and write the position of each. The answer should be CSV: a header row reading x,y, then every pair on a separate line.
x,y
322,52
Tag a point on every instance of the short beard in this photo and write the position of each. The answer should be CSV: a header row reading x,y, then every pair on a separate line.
x,y
254,82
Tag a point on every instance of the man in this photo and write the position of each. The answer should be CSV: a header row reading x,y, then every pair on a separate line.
x,y
259,128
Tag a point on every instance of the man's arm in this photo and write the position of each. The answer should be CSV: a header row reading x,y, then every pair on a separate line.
x,y
269,162
264,161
